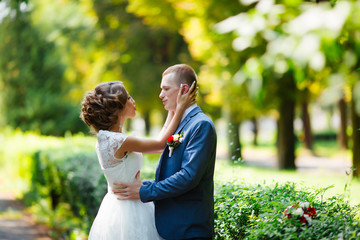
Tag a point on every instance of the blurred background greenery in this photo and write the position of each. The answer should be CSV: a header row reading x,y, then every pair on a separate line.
x,y
280,79
290,61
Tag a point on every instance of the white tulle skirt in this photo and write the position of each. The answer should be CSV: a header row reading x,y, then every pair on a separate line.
x,y
124,220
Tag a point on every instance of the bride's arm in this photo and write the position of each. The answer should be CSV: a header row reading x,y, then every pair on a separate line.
x,y
133,144
163,132
167,122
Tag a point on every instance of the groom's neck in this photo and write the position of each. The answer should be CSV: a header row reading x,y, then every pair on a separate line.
x,y
188,110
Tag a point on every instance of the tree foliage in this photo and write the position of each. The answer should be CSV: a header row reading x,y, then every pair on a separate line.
x,y
253,58
293,64
32,78
140,51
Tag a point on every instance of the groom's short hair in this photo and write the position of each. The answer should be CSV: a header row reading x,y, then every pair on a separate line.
x,y
183,73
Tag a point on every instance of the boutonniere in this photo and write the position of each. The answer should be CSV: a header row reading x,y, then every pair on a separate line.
x,y
174,141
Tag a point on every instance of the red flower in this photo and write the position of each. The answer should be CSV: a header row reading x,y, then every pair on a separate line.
x,y
303,219
311,211
170,139
288,214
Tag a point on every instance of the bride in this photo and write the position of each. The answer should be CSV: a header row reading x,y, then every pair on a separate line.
x,y
105,110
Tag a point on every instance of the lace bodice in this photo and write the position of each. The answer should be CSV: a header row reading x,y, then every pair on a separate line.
x,y
106,146
116,169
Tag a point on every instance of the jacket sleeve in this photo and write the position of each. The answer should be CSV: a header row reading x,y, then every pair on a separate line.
x,y
196,159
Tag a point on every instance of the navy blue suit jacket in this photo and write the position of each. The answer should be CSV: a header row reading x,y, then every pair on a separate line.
x,y
183,190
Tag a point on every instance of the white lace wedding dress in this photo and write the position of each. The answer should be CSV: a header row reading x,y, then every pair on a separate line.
x,y
121,219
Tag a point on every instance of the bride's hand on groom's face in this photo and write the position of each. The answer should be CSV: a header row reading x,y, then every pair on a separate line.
x,y
128,191
187,96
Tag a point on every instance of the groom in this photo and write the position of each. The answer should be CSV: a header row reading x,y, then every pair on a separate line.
x,y
183,188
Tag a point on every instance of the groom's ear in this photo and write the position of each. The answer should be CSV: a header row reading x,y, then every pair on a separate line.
x,y
186,88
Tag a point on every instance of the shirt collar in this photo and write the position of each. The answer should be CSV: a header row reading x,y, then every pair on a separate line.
x,y
188,110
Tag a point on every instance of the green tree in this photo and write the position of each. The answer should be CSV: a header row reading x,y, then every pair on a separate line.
x,y
195,20
293,63
342,49
140,51
32,77
347,45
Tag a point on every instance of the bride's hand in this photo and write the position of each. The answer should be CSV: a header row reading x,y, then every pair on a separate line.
x,y
187,99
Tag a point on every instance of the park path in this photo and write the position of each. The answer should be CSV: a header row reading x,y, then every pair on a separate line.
x,y
15,224
305,162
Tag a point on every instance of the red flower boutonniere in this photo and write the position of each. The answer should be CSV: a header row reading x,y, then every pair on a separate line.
x,y
174,141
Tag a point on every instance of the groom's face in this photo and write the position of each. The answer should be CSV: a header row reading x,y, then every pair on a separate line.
x,y
169,91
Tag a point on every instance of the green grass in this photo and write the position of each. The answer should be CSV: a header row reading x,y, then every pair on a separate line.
x,y
228,172
326,148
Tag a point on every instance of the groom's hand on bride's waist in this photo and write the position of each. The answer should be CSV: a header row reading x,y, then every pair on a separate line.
x,y
128,191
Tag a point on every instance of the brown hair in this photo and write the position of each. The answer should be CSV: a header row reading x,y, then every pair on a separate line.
x,y
183,72
100,107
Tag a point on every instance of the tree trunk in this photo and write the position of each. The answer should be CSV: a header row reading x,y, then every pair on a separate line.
x,y
286,137
342,137
147,122
356,140
255,130
234,139
308,138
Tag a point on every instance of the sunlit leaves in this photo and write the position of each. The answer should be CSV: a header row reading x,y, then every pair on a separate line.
x,y
155,12
194,32
320,17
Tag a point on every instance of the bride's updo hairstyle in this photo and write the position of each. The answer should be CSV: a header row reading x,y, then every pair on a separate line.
x,y
100,107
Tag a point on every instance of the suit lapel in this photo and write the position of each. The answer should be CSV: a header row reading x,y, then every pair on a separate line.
x,y
191,114
181,127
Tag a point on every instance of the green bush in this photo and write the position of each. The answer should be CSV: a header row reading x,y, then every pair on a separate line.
x,y
72,178
257,212
58,178
72,185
